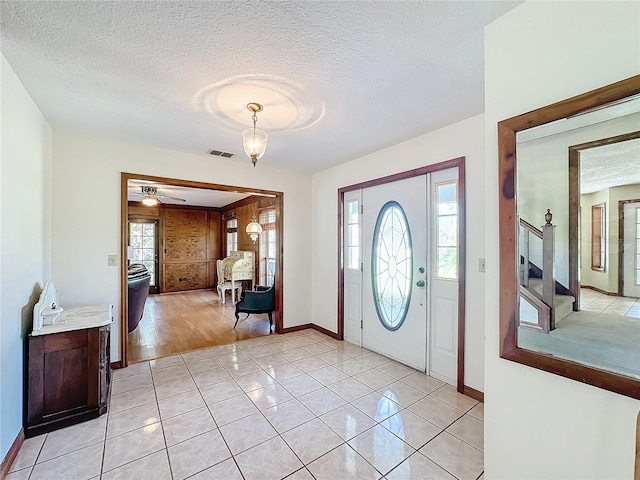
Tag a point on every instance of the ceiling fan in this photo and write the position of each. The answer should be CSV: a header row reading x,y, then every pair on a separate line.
x,y
151,198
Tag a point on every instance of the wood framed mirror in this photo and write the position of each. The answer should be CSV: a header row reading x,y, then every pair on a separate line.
x,y
545,209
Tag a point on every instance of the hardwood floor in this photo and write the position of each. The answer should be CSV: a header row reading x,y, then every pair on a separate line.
x,y
180,322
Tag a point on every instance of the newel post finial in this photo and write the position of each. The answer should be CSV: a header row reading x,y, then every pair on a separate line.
x,y
548,216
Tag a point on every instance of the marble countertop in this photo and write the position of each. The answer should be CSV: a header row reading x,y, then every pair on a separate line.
x,y
78,318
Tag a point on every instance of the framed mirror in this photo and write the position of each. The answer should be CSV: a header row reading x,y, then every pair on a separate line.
x,y
569,180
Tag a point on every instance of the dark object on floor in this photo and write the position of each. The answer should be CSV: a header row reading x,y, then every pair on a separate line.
x,y
262,300
138,279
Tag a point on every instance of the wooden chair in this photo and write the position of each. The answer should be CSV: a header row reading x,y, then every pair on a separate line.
x,y
262,300
224,286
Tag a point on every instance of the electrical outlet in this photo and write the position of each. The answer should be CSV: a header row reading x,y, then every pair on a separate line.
x,y
113,261
482,265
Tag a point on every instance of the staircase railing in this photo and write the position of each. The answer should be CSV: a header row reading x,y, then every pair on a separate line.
x,y
547,234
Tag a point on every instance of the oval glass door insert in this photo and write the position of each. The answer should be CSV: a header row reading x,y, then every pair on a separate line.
x,y
392,265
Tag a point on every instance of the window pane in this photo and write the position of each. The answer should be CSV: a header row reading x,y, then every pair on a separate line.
x,y
147,254
353,254
447,231
446,198
447,263
136,242
353,212
147,242
392,264
136,229
147,229
353,236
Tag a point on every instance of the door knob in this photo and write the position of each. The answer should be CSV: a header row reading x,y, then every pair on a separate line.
x,y
420,283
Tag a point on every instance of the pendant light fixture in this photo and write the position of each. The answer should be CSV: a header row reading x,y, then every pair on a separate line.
x,y
254,229
254,140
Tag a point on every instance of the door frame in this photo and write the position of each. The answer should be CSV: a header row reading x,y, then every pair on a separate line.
x,y
124,220
621,204
458,163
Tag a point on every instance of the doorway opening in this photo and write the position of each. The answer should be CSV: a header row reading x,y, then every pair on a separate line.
x,y
180,241
421,275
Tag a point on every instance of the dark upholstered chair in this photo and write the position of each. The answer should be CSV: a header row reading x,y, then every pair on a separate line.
x,y
138,279
262,300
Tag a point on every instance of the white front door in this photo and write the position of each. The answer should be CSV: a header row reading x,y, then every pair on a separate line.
x,y
394,270
631,250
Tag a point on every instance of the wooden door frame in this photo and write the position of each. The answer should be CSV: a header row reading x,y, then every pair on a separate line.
x,y
621,204
574,209
458,163
124,218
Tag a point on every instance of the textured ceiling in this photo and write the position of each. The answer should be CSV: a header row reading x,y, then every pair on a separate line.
x,y
193,196
610,166
338,79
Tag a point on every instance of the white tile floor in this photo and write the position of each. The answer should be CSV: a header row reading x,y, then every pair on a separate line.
x,y
299,405
592,301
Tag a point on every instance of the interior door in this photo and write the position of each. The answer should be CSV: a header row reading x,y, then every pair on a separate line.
x,y
143,240
394,226
352,266
631,250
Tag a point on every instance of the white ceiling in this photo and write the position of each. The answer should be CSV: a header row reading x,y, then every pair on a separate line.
x,y
610,166
338,79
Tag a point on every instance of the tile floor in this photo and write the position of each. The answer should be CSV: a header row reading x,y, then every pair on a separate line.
x,y
300,405
592,301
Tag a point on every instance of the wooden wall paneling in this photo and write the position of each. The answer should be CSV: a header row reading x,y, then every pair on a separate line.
x,y
185,276
138,210
185,235
214,245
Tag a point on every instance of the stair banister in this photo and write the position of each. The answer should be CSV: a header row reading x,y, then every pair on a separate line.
x,y
548,274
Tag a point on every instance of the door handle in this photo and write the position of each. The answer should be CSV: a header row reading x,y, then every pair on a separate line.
x,y
420,283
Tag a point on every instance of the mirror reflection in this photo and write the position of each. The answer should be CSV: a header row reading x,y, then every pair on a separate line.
x,y
578,205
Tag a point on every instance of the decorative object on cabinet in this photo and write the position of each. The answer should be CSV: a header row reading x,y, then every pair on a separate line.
x,y
223,285
262,300
68,370
138,280
239,265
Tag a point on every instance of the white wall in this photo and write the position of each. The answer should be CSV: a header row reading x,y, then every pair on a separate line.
x,y
86,215
589,277
25,158
539,425
461,139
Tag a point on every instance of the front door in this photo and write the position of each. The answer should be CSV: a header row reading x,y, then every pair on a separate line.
x,y
631,250
394,271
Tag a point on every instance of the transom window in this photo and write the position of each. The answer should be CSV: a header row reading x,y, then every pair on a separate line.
x,y
446,198
392,265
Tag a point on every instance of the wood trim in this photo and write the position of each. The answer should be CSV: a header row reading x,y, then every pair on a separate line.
x,y
11,455
574,208
458,163
325,331
462,259
242,202
508,237
124,210
473,393
599,223
621,204
124,293
116,365
599,290
296,328
636,475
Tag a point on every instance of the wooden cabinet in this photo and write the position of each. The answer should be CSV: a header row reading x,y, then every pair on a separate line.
x,y
68,378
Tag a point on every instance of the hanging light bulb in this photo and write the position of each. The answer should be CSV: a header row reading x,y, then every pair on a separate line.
x,y
254,140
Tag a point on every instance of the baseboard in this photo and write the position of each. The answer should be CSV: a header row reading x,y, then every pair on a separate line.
x,y
11,455
296,328
599,290
325,331
473,393
116,365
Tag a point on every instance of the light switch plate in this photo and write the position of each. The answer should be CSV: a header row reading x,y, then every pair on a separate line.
x,y
113,261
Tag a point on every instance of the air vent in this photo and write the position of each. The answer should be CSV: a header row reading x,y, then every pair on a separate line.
x,y
218,153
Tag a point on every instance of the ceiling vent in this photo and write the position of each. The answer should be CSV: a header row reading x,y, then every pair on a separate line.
x,y
218,153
